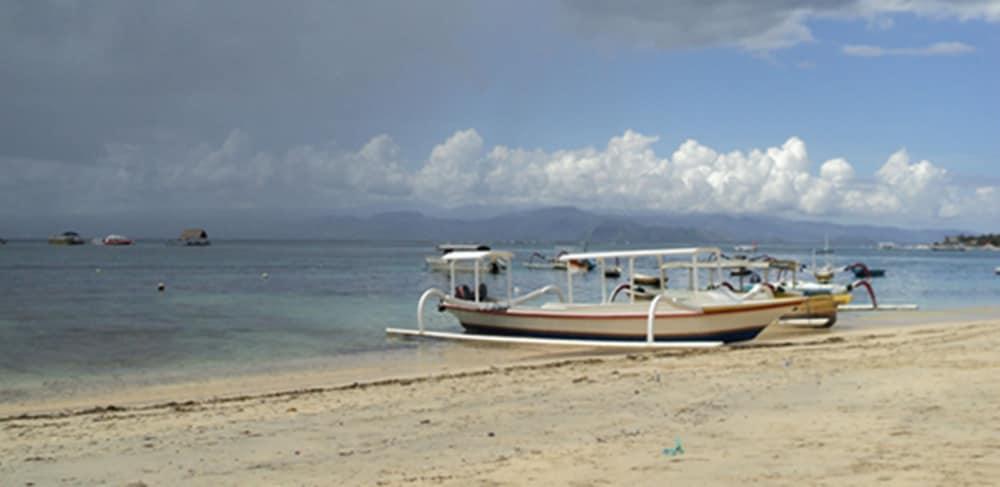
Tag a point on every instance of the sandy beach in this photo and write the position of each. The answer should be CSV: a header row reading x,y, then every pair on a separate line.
x,y
912,405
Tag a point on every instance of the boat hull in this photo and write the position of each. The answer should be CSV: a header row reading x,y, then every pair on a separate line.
x,y
822,306
726,323
66,241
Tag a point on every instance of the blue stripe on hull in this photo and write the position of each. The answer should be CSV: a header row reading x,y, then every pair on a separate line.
x,y
725,337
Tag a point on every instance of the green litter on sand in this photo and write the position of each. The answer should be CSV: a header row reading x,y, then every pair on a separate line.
x,y
678,448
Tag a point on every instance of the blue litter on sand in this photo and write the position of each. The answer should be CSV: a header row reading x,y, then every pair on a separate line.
x,y
678,448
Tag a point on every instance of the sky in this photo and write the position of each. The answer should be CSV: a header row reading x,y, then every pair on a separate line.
x,y
855,111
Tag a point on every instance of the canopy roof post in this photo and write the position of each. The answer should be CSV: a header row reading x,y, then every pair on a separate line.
x,y
451,265
475,279
694,272
510,279
631,279
718,267
604,284
663,273
569,282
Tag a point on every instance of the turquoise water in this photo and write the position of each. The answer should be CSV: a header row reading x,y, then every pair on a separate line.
x,y
73,314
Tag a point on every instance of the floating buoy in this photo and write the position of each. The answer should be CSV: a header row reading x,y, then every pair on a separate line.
x,y
161,287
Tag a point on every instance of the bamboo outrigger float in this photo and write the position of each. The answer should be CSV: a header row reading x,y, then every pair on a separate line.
x,y
695,318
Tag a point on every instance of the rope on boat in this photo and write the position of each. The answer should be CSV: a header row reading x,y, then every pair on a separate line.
x,y
619,288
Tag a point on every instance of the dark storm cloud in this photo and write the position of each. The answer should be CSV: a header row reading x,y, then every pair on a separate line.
x,y
760,25
77,75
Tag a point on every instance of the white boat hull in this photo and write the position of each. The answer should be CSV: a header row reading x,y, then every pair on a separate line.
x,y
725,322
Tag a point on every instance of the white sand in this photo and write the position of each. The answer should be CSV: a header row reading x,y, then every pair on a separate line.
x,y
903,406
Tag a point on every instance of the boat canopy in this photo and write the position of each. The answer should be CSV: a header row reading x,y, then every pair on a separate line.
x,y
477,255
733,264
457,247
625,254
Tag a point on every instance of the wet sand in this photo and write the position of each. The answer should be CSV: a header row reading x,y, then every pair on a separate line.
x,y
894,405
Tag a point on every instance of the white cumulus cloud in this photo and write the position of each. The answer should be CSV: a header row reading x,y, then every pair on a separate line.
x,y
936,49
627,173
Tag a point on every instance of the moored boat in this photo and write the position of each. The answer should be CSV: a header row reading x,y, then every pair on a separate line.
x,y
439,264
67,238
696,315
192,237
781,277
114,239
862,271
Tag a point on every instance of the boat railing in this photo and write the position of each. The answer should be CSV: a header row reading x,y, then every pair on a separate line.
x,y
651,314
430,293
477,258
551,288
761,288
630,256
445,297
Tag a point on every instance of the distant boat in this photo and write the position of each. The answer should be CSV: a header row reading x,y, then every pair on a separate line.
x,y
67,238
826,246
997,270
862,271
887,246
193,237
3,242
116,240
540,261
752,248
823,274
440,264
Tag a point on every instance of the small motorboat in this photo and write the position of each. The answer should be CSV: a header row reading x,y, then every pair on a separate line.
x,y
997,271
114,239
862,271
67,238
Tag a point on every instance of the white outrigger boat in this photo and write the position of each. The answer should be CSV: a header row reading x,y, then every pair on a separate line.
x,y
687,318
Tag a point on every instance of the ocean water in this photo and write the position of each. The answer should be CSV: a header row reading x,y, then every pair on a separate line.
x,y
72,316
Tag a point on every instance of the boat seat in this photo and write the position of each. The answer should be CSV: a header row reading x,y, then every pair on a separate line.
x,y
465,292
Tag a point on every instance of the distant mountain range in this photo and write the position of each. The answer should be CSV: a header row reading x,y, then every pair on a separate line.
x,y
567,224
554,224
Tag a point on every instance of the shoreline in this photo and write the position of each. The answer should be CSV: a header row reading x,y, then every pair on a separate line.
x,y
901,406
435,360
428,358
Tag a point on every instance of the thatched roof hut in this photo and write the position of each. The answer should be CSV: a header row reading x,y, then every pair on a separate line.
x,y
194,234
